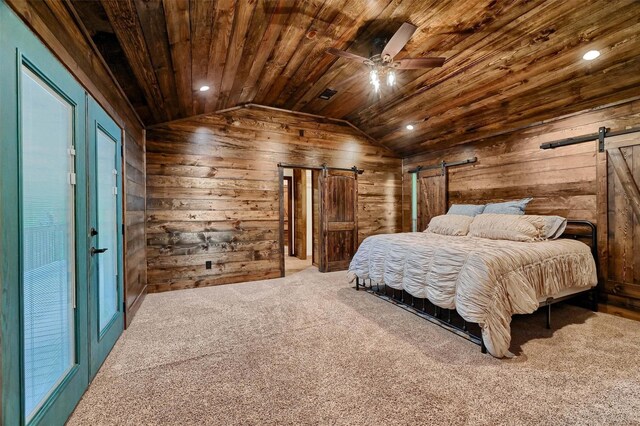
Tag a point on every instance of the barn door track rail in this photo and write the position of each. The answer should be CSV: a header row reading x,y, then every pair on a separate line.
x,y
354,169
603,133
442,165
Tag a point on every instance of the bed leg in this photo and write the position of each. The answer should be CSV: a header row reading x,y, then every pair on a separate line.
x,y
357,283
483,348
549,316
594,299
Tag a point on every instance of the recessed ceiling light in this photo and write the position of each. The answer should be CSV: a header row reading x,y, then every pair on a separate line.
x,y
204,88
591,55
409,126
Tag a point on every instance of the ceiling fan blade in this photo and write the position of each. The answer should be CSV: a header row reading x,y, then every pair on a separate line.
x,y
345,54
398,41
418,63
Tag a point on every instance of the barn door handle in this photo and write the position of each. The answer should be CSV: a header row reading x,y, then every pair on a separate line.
x,y
97,251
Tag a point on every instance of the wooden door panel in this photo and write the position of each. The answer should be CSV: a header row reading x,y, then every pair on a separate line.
x,y
622,274
340,245
338,219
432,196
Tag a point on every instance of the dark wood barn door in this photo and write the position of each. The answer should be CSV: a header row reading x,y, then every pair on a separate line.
x,y
338,219
621,265
432,196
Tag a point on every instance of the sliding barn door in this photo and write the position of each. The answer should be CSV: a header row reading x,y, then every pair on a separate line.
x,y
338,219
432,196
621,266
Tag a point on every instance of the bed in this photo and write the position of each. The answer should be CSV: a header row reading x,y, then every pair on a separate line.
x,y
484,281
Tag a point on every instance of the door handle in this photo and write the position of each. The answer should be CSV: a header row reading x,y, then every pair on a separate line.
x,y
97,251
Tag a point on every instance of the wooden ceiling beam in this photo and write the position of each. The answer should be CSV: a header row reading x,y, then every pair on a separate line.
x,y
202,15
178,32
222,30
126,25
280,14
297,26
239,33
154,29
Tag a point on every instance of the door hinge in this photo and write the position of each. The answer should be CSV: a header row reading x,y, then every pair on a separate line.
x,y
72,178
115,190
72,151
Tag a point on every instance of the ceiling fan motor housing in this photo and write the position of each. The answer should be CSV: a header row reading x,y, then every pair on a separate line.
x,y
376,50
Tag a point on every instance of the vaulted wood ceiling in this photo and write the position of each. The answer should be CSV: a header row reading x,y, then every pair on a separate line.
x,y
509,63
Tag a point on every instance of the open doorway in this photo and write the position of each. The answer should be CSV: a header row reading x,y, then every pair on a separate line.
x,y
298,220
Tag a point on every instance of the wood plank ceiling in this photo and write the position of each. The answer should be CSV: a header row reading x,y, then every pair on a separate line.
x,y
509,63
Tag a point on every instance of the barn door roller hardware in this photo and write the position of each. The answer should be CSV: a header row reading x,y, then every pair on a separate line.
x,y
603,133
354,169
443,164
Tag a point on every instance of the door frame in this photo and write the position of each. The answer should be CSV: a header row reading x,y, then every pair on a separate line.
x,y
289,180
281,178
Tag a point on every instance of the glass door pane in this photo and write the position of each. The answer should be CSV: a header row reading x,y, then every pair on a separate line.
x,y
108,228
48,251
106,313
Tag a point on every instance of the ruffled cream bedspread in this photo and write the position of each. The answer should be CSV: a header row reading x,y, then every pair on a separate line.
x,y
486,281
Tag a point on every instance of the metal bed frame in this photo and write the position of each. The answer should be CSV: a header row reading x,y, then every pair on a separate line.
x,y
450,320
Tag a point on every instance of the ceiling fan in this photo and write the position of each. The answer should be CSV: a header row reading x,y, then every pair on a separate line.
x,y
382,61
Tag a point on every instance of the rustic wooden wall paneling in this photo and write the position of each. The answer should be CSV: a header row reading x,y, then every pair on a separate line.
x,y
56,24
563,181
212,191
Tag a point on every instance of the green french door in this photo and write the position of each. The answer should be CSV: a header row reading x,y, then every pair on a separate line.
x,y
106,315
60,208
52,249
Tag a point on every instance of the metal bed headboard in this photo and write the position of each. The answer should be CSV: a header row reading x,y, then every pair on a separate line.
x,y
592,235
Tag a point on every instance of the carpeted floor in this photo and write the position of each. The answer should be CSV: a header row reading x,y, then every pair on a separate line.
x,y
293,265
309,349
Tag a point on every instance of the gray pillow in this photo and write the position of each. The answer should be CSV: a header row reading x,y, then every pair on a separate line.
x,y
466,209
508,207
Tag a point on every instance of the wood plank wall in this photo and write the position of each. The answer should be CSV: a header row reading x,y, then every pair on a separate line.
x,y
212,191
54,23
562,181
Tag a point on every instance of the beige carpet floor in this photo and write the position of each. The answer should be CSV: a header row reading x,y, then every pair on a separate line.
x,y
309,349
293,265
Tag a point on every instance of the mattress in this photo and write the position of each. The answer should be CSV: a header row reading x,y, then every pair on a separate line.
x,y
486,281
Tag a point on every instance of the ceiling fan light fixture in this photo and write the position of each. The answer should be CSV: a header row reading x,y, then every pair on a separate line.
x,y
204,88
391,78
375,80
410,127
